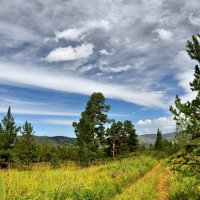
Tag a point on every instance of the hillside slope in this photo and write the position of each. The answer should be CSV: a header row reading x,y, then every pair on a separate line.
x,y
145,140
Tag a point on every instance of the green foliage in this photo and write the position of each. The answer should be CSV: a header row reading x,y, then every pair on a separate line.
x,y
114,133
187,160
8,134
54,161
193,48
185,181
131,135
159,140
183,187
8,131
25,145
90,131
187,115
121,138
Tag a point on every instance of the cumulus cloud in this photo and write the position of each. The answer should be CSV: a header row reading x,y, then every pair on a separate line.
x,y
70,53
69,34
165,123
164,34
144,122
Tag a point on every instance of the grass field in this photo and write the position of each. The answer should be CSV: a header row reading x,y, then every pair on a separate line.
x,y
184,187
73,182
153,185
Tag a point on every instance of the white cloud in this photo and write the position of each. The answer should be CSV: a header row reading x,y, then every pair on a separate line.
x,y
185,74
70,53
75,34
104,24
164,34
69,34
32,77
115,69
164,123
194,20
144,122
105,52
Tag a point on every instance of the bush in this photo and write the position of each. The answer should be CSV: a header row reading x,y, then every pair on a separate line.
x,y
54,162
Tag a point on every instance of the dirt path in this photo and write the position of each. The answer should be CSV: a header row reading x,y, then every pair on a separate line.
x,y
153,185
164,185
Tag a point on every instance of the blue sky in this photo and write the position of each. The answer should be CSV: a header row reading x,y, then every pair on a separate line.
x,y
54,54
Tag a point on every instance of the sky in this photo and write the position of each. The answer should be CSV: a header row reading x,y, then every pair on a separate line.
x,y
55,53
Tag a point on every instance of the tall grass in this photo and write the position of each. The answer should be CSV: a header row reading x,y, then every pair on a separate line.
x,y
183,187
72,182
145,188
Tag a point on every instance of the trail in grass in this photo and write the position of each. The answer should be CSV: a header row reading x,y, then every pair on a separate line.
x,y
153,185
163,186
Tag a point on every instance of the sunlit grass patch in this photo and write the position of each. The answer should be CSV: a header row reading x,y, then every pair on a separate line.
x,y
73,182
183,187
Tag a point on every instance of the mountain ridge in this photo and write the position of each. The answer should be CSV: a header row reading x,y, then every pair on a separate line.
x,y
145,139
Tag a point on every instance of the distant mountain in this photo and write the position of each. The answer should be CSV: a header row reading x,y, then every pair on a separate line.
x,y
148,139
56,140
145,140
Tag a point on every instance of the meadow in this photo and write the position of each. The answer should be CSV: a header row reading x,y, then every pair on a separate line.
x,y
71,181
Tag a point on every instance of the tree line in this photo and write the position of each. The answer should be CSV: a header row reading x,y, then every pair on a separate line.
x,y
94,140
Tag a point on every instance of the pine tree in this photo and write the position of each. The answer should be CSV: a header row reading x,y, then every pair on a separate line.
x,y
159,141
187,115
9,131
90,131
131,135
8,134
26,146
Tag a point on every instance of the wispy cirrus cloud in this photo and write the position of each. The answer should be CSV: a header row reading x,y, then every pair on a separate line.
x,y
115,69
42,79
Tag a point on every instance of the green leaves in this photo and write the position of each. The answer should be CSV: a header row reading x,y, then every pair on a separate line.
x,y
187,115
90,130
193,48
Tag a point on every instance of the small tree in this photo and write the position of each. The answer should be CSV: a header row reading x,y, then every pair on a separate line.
x,y
8,134
9,131
26,146
114,134
159,141
131,135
